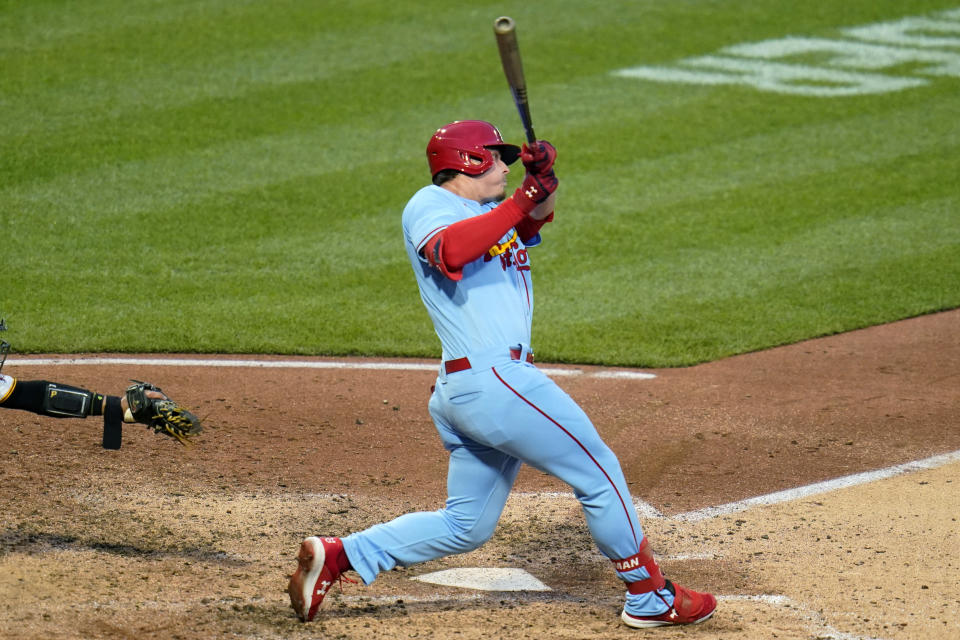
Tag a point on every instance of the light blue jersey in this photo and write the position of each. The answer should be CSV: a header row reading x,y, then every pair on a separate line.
x,y
498,412
492,305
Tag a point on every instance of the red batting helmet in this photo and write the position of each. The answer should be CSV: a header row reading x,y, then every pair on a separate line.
x,y
465,145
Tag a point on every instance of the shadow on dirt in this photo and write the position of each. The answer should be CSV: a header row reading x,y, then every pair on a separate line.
x,y
33,542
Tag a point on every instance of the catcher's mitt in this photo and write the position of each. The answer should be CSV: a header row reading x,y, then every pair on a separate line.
x,y
162,414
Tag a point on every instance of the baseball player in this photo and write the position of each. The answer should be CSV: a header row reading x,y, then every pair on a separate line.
x,y
142,402
469,246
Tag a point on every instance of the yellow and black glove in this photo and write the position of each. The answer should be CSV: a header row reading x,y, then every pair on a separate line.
x,y
160,413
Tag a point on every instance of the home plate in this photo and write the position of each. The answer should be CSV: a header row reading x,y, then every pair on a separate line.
x,y
485,579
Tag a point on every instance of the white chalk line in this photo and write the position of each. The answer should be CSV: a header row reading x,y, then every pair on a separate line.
x,y
297,364
826,486
644,509
817,624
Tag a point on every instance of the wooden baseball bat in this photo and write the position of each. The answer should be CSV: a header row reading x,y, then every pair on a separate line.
x,y
506,31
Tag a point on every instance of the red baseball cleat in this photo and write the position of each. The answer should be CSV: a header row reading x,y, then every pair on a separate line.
x,y
689,607
317,569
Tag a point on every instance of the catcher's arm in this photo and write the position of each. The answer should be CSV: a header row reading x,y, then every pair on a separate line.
x,y
149,405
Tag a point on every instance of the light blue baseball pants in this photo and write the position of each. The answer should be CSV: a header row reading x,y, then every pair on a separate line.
x,y
492,418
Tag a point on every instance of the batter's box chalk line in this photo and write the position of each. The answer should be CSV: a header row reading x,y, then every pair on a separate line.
x,y
646,510
826,486
815,621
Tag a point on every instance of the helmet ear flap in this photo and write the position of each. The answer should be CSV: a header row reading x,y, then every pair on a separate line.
x,y
478,161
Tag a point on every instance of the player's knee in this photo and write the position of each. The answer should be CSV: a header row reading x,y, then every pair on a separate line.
x,y
598,494
481,533
471,533
470,540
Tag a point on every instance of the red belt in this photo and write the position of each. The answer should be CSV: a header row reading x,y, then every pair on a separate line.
x,y
462,364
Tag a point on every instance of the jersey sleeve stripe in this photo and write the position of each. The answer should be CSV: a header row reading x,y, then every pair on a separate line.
x,y
429,235
426,239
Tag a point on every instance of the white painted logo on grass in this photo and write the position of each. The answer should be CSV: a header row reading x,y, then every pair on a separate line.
x,y
485,579
908,51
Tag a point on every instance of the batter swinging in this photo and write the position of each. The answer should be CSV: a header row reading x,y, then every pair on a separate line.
x,y
493,408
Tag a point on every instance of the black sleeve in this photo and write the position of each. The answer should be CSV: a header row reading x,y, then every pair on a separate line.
x,y
27,395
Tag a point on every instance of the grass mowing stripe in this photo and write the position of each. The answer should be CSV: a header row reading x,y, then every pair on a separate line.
x,y
176,179
733,269
768,161
264,159
185,62
344,100
43,24
257,313
820,281
214,54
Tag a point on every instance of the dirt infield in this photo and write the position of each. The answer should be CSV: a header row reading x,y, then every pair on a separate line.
x,y
153,541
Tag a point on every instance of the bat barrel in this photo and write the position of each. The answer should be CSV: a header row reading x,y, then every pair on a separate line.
x,y
504,24
505,29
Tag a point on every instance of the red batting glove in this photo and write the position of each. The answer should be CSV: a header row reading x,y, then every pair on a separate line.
x,y
539,158
536,188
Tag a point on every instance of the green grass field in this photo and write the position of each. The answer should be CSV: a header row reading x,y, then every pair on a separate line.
x,y
228,176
